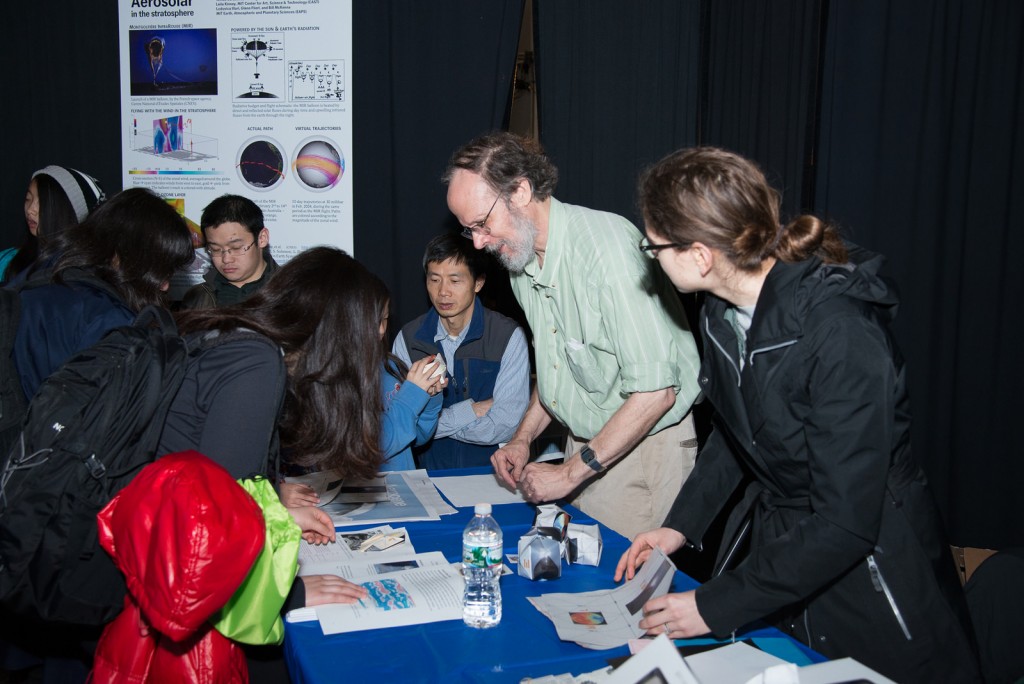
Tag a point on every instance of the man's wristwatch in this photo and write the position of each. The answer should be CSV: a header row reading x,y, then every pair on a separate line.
x,y
588,456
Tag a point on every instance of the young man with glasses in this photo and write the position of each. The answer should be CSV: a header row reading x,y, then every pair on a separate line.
x,y
236,242
616,363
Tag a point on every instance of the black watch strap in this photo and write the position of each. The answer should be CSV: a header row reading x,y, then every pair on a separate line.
x,y
590,458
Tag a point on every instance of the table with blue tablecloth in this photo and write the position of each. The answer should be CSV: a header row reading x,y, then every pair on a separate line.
x,y
523,645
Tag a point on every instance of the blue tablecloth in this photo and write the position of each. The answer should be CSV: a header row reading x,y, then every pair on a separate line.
x,y
523,645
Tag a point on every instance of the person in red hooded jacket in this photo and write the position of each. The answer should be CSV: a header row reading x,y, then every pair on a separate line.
x,y
177,513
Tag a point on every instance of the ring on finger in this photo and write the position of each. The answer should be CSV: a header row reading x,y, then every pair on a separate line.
x,y
667,628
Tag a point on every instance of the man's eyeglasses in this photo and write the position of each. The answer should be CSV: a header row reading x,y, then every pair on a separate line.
x,y
220,252
651,249
480,227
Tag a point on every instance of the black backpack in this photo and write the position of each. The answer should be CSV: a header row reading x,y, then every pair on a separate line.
x,y
89,429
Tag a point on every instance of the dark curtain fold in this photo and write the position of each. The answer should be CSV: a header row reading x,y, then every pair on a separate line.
x,y
61,101
428,77
760,87
616,92
922,158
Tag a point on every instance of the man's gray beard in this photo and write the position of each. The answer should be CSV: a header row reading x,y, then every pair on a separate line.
x,y
520,252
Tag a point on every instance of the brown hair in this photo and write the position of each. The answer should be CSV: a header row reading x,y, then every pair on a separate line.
x,y
323,308
502,159
718,198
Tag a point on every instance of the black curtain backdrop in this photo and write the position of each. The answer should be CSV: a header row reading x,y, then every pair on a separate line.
x,y
616,89
922,158
759,80
428,77
61,99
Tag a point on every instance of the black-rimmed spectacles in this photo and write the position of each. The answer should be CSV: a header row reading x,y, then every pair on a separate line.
x,y
651,249
480,227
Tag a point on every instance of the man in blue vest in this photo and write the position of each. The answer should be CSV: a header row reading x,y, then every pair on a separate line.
x,y
486,355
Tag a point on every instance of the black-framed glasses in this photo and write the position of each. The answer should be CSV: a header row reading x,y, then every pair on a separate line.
x,y
480,227
651,249
220,252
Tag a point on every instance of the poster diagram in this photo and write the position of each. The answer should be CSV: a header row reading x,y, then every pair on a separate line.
x,y
257,66
171,138
173,62
261,163
316,80
319,164
242,97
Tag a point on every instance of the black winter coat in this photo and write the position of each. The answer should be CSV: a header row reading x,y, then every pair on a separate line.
x,y
846,550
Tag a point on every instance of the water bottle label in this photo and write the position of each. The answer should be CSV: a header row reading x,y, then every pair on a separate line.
x,y
481,556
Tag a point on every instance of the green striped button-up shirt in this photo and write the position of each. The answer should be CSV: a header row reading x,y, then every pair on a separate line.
x,y
606,322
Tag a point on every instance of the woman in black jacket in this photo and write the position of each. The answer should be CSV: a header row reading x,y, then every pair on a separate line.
x,y
812,418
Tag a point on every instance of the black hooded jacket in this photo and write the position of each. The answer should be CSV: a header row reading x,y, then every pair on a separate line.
x,y
846,550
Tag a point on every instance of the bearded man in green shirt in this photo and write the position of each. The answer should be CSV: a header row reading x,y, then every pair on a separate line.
x,y
616,363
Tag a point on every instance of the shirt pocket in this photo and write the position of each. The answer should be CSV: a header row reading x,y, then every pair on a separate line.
x,y
586,370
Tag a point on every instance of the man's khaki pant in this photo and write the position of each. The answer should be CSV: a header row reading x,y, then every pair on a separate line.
x,y
636,493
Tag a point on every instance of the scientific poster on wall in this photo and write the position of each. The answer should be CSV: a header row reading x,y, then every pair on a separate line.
x,y
248,97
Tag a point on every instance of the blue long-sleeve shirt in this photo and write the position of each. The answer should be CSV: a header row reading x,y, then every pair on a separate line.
x,y
410,418
511,392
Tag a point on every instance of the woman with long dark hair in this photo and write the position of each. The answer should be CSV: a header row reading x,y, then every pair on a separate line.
x,y
109,267
812,419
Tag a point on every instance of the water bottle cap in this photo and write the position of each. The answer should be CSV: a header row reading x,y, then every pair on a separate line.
x,y
482,509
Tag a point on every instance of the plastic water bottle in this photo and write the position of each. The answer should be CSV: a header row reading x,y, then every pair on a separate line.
x,y
481,566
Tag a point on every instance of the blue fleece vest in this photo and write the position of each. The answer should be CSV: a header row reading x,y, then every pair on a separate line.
x,y
476,365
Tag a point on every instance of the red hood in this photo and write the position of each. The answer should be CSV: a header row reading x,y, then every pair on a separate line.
x,y
185,535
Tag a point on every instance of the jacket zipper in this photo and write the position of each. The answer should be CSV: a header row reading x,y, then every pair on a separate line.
x,y
750,357
881,586
707,329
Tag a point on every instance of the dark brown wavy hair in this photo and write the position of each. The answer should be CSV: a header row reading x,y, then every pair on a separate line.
x,y
720,199
323,308
134,241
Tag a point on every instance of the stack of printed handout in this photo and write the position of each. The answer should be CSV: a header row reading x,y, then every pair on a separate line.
x,y
401,496
397,579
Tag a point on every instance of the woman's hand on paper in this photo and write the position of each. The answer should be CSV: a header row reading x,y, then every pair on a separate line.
x,y
295,494
321,589
664,538
675,615
317,527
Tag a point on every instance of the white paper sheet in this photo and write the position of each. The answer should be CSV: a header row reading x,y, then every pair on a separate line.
x,y
469,490
610,617
411,597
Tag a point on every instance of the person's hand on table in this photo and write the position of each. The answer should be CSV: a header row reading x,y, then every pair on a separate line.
x,y
317,527
542,482
664,538
295,494
321,589
508,462
675,615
